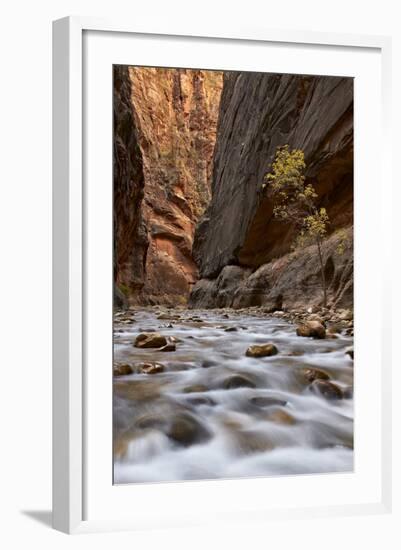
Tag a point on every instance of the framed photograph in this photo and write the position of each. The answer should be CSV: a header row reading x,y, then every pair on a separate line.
x,y
220,352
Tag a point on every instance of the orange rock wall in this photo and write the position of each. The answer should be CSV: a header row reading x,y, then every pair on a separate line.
x,y
175,114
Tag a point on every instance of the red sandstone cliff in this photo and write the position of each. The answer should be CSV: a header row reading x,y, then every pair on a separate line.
x,y
174,117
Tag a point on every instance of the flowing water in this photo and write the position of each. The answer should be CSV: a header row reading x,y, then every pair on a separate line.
x,y
216,413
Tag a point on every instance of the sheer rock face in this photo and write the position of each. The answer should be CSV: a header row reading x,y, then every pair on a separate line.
x,y
174,126
258,113
130,240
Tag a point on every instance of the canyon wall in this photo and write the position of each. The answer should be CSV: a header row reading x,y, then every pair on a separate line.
x,y
165,128
241,251
130,236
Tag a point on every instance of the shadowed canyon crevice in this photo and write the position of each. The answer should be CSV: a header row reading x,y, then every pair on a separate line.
x,y
191,151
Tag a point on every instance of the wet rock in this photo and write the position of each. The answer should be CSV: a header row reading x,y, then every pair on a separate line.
x,y
310,375
187,430
253,441
230,329
326,389
137,390
346,315
311,329
122,369
267,401
170,346
150,368
206,364
281,417
316,317
238,381
195,388
153,421
263,350
150,340
350,352
168,317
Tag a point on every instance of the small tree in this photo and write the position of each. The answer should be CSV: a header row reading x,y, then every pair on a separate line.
x,y
295,202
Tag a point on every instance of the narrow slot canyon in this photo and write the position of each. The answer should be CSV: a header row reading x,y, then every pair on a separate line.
x,y
233,344
190,158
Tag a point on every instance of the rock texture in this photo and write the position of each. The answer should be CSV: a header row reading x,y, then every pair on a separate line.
x,y
238,245
130,240
258,113
290,282
172,134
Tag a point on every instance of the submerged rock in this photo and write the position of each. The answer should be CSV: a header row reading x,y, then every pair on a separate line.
x,y
252,441
187,430
238,381
150,340
201,400
195,388
206,364
263,350
267,401
311,329
348,392
281,417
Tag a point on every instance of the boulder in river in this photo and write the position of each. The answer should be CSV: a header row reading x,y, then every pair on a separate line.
x,y
263,350
311,374
326,389
150,340
311,329
122,369
316,317
187,430
150,368
170,346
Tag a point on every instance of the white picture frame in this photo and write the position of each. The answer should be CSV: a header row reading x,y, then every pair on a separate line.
x,y
69,259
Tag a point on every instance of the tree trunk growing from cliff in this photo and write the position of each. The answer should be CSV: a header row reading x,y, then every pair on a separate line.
x,y
294,201
319,248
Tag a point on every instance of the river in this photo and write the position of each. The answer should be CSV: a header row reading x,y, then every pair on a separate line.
x,y
214,412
